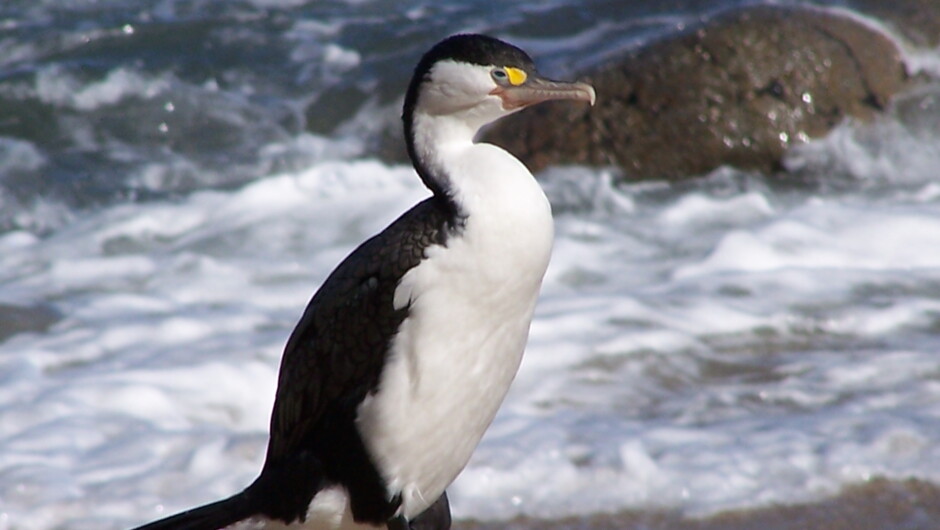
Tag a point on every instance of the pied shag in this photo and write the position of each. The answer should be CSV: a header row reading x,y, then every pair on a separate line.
x,y
406,351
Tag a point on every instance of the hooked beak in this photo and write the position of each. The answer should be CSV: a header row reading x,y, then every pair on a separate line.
x,y
536,90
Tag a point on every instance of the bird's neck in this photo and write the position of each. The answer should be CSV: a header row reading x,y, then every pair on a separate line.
x,y
434,141
479,180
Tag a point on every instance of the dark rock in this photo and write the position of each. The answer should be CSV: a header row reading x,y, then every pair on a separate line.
x,y
737,90
19,319
918,21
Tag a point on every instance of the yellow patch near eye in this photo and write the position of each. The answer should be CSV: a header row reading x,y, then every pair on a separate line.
x,y
516,76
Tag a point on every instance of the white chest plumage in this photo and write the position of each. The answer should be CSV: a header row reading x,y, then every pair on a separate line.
x,y
470,305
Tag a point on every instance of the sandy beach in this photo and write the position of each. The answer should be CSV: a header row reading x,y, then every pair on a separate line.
x,y
877,505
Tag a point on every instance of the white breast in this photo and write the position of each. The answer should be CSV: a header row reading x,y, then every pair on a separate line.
x,y
456,354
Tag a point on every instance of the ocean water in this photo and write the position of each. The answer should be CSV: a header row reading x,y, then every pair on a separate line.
x,y
178,177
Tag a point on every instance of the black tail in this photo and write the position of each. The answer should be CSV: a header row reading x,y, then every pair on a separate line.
x,y
212,516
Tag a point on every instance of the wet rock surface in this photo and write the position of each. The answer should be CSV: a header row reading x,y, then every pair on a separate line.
x,y
917,21
737,90
16,319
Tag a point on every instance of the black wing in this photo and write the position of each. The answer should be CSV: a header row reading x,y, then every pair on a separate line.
x,y
332,360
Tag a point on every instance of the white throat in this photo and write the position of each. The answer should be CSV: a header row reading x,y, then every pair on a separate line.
x,y
438,142
445,145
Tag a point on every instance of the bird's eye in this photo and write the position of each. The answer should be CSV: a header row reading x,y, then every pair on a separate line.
x,y
509,75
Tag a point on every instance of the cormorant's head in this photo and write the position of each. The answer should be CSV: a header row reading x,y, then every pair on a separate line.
x,y
478,79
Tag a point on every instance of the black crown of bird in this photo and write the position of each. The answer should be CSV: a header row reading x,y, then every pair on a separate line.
x,y
404,354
